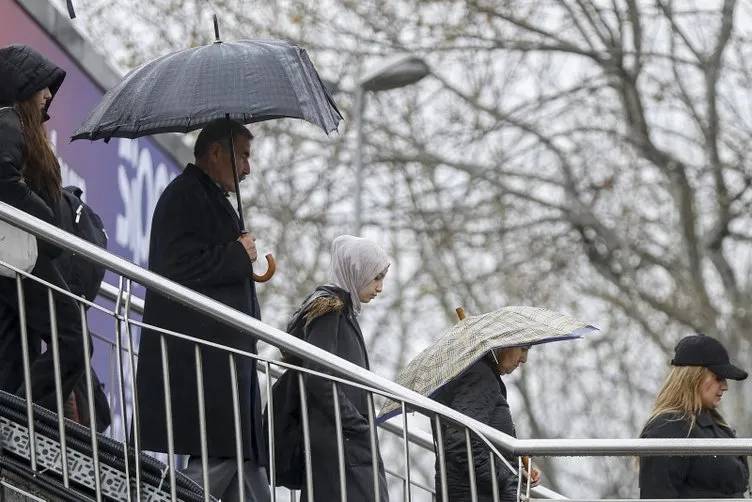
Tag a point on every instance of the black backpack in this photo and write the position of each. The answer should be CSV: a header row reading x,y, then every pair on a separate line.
x,y
289,458
82,276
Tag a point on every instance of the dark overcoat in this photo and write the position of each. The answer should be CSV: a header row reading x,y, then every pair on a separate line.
x,y
194,242
680,477
478,393
336,330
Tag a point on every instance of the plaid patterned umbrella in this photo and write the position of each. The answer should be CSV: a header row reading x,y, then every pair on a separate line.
x,y
467,341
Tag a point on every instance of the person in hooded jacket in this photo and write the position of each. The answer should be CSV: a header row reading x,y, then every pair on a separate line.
x,y
687,407
30,180
479,393
329,317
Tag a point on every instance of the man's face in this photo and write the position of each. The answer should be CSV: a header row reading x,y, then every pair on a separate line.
x,y
221,162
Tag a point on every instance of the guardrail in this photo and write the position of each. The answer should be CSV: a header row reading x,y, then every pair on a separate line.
x,y
336,371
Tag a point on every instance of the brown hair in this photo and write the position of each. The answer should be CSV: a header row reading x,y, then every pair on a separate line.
x,y
41,169
680,394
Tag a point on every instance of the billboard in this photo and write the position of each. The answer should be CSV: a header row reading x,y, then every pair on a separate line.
x,y
121,180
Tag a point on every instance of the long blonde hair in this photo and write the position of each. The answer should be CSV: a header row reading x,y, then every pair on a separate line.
x,y
680,395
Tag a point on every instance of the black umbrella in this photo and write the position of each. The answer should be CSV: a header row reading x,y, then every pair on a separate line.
x,y
246,81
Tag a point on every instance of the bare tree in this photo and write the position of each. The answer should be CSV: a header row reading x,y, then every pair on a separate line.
x,y
588,155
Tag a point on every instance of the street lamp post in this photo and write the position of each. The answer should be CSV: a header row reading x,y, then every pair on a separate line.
x,y
398,71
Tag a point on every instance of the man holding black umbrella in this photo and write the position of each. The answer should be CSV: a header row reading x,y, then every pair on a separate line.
x,y
197,241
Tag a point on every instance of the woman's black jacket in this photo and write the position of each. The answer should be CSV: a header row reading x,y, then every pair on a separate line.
x,y
480,394
706,476
332,326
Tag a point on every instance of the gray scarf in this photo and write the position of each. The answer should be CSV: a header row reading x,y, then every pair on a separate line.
x,y
355,263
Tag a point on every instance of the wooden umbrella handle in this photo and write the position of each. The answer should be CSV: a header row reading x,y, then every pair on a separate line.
x,y
271,267
460,313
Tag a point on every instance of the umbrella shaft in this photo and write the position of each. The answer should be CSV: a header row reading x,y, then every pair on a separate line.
x,y
236,178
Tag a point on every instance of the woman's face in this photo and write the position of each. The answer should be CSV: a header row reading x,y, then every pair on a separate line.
x,y
711,391
372,289
510,359
41,98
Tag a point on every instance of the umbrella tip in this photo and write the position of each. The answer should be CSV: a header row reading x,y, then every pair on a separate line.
x,y
216,29
460,313
71,10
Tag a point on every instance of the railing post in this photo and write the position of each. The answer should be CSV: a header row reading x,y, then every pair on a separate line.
x,y
202,422
441,459
406,452
168,415
55,347
136,416
270,419
238,428
306,437
90,393
494,481
374,449
340,445
26,371
471,467
121,386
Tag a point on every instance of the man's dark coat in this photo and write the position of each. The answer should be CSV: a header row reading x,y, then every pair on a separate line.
x,y
194,242
478,393
681,477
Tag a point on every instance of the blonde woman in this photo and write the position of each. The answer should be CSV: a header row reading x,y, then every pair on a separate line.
x,y
686,407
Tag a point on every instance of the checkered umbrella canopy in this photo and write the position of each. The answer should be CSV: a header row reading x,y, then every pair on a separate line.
x,y
468,340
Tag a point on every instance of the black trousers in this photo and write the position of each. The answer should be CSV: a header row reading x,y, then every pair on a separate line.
x,y
38,324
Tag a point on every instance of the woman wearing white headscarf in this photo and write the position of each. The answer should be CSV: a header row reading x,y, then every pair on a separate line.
x,y
328,318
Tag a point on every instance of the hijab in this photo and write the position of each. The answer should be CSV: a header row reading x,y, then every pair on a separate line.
x,y
356,261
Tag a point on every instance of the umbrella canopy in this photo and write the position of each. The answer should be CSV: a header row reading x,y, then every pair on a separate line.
x,y
247,81
471,338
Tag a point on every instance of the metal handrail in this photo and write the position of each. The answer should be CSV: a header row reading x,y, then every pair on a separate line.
x,y
293,345
418,438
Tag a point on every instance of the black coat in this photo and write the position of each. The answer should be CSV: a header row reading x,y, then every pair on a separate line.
x,y
336,330
478,393
23,72
194,242
707,476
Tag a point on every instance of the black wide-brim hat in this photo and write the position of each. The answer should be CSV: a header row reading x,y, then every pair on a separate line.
x,y
706,351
